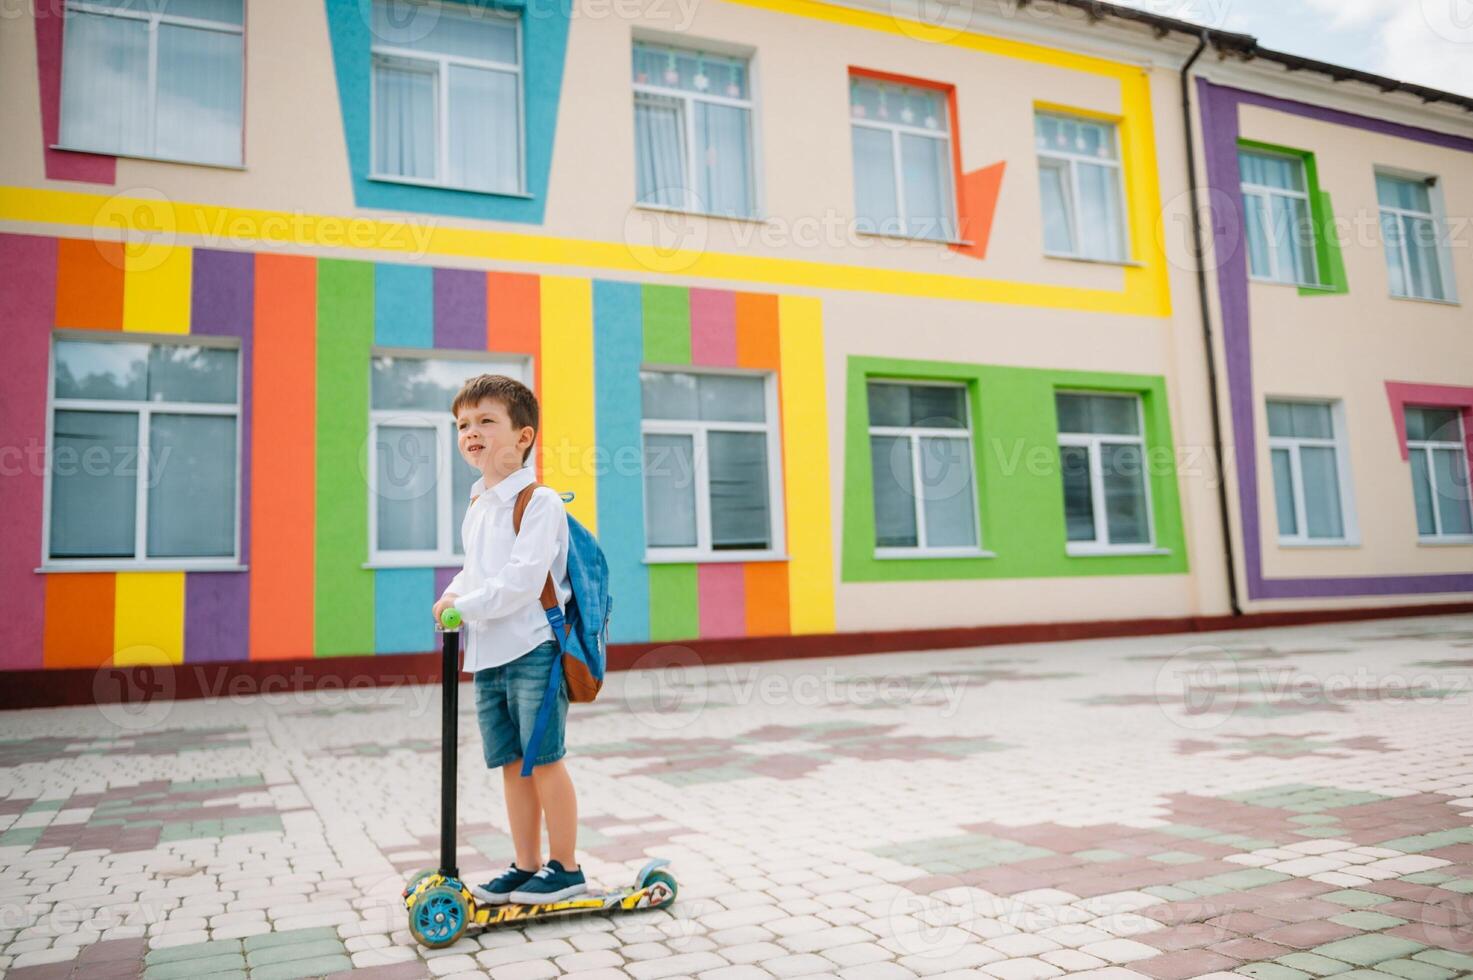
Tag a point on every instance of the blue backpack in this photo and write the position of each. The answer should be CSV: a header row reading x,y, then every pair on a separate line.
x,y
581,629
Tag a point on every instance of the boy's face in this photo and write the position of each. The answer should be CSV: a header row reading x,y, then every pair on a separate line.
x,y
488,440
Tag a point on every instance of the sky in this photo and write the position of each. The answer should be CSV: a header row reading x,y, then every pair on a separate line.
x,y
1425,41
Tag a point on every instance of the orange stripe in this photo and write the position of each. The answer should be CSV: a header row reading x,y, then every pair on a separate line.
x,y
283,454
79,619
89,284
756,330
514,324
767,598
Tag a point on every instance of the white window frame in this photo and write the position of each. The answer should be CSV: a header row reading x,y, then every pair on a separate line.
x,y
915,433
1092,442
895,131
1426,447
439,64
1280,267
1439,229
703,552
155,18
446,445
1071,203
1337,442
145,410
687,120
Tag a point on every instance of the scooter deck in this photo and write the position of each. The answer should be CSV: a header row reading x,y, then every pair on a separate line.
x,y
623,900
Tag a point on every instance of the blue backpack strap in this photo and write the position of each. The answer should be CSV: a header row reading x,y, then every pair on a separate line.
x,y
554,614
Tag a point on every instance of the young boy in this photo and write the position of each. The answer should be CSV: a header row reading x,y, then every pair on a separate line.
x,y
509,645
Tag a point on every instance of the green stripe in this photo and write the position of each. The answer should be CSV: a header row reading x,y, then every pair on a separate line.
x,y
344,600
666,325
675,603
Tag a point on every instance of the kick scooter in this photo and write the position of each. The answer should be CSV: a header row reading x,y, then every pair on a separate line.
x,y
441,906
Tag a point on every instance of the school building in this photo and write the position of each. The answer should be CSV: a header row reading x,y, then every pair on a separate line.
x,y
855,325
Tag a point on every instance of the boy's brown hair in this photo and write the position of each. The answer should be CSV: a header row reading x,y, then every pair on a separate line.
x,y
518,400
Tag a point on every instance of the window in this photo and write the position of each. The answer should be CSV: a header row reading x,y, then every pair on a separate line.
x,y
902,159
144,454
693,131
161,78
418,484
919,436
1308,473
1409,229
447,99
1439,461
1279,227
710,465
1080,182
1102,457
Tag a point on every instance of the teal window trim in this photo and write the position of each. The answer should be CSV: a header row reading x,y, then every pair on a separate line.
x,y
1328,257
1020,492
544,32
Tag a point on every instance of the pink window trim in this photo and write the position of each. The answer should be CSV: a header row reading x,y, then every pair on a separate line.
x,y
95,168
1402,394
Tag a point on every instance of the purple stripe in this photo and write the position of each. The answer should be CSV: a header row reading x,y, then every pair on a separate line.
x,y
442,580
28,283
1219,113
460,309
217,604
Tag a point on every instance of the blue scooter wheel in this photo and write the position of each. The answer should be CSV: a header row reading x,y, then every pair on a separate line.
x,y
439,917
668,881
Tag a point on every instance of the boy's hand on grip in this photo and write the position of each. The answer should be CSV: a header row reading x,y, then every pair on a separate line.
x,y
444,604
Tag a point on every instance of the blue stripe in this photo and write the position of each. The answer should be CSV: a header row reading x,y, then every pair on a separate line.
x,y
404,306
618,345
402,600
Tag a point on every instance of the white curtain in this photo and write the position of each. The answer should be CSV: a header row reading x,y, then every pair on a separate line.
x,y
927,167
484,145
1452,491
404,127
1053,180
725,166
199,95
191,495
669,490
875,201
894,479
405,487
1101,232
738,482
104,84
1123,470
1284,493
946,487
659,138
1321,492
93,506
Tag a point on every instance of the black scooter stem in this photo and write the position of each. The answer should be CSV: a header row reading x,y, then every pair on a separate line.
x,y
449,739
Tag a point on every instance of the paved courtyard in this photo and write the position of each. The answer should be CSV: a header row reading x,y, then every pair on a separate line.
x,y
1276,803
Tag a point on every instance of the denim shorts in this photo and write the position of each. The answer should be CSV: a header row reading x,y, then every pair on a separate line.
x,y
507,699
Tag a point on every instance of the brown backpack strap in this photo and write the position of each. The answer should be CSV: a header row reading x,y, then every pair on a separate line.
x,y
524,497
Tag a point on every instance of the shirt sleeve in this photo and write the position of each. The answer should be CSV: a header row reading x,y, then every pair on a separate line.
x,y
521,578
457,585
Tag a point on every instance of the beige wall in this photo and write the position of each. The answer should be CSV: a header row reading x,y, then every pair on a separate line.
x,y
1346,347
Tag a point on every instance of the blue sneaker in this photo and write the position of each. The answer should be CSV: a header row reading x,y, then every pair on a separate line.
x,y
498,890
551,884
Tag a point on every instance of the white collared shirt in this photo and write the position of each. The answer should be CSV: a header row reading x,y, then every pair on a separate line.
x,y
500,587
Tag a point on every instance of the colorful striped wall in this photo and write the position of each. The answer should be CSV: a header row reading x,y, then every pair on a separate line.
x,y
307,328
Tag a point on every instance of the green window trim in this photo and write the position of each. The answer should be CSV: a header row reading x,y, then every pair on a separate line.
x,y
1328,257
1020,491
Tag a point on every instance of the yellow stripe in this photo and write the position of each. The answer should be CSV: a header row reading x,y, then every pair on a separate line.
x,y
568,461
156,284
806,466
417,241
148,621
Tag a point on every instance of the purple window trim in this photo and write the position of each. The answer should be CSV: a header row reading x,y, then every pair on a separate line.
x,y
1219,113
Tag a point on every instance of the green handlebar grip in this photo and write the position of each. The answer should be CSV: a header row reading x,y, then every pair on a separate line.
x,y
450,618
